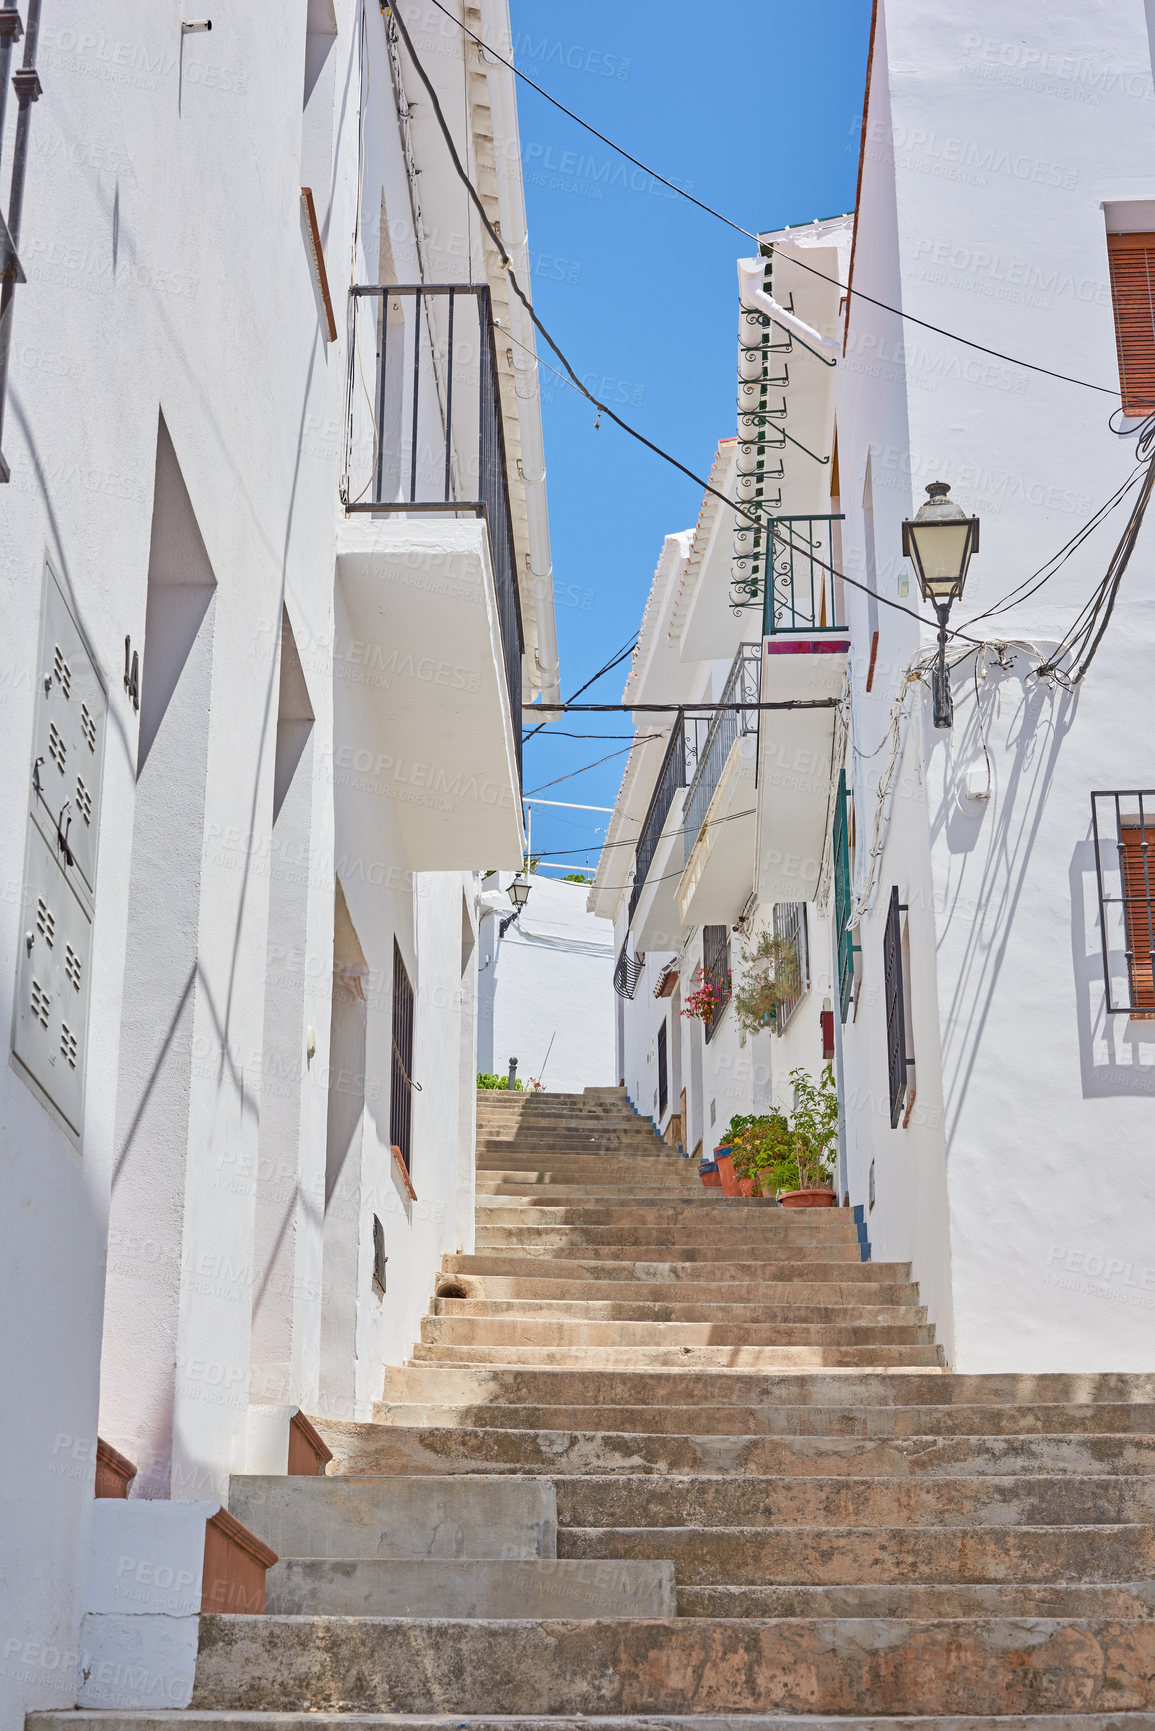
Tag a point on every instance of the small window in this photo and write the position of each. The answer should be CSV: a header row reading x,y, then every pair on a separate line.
x,y
894,964
401,1091
716,972
1124,833
379,1256
790,923
663,1071
1132,262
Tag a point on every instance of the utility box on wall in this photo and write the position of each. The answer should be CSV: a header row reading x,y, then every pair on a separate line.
x,y
58,902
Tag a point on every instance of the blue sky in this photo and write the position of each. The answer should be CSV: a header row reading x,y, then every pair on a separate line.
x,y
753,108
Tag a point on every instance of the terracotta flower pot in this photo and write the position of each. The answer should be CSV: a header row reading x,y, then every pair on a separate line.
x,y
709,1174
745,1187
725,1164
814,1196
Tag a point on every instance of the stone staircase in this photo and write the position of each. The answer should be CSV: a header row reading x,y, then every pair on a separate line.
x,y
669,1458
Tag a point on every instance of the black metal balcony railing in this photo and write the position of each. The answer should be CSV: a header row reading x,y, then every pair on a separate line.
x,y
800,592
742,686
679,762
425,430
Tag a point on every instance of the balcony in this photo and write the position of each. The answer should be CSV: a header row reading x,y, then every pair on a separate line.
x,y
718,846
428,635
658,855
804,654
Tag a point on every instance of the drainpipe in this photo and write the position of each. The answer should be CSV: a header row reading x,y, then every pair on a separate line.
x,y
751,294
511,202
27,87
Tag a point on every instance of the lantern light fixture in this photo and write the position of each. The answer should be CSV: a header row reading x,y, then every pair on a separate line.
x,y
939,541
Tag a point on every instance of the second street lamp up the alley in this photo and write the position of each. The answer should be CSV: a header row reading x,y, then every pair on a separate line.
x,y
939,541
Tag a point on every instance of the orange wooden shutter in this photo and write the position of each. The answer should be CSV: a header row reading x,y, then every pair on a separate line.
x,y
1137,859
1132,262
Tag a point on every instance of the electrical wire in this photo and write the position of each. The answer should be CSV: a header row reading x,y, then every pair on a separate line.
x,y
740,228
593,679
641,740
389,7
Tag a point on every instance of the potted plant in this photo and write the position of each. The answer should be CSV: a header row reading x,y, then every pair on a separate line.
x,y
704,1002
743,1178
813,1141
761,1145
771,980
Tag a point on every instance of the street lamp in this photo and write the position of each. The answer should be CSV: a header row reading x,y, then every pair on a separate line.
x,y
939,541
518,893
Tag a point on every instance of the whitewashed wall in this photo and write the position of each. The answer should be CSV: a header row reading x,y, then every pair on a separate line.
x,y
1022,1190
174,412
546,990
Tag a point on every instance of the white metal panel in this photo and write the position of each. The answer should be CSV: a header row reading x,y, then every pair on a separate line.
x,y
68,738
52,981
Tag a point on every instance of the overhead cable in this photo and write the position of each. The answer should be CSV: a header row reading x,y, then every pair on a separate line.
x,y
740,228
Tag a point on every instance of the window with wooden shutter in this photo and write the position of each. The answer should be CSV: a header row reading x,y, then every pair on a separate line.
x,y
1132,262
1123,826
1137,868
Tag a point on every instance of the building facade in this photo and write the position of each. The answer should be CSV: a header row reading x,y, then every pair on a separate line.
x,y
544,987
276,581
974,900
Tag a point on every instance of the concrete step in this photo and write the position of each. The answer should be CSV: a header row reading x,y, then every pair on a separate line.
x,y
564,1332
391,1448
679,1665
705,1208
387,1587
764,1252
708,1500
1100,1395
734,1215
743,1276
552,1192
425,1406
1019,1599
769,1231
480,1517
617,1310
709,1291
602,1358
189,1720
841,1556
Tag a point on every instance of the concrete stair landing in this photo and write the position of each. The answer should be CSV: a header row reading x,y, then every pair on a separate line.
x,y
663,1459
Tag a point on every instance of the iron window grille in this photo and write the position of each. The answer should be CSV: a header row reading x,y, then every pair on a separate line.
x,y
716,973
663,1070
401,1081
425,430
898,1060
743,685
790,924
847,948
1123,826
628,971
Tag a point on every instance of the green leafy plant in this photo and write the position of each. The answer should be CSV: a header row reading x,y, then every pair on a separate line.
x,y
762,1147
486,1080
794,1152
771,980
576,878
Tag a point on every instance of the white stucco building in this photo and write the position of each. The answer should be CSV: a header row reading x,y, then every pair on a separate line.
x,y
276,580
977,898
544,987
